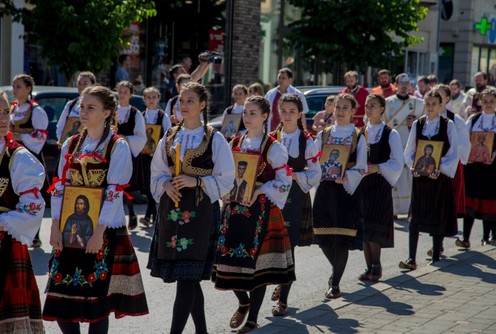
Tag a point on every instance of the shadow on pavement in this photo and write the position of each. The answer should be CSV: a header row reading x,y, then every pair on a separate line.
x,y
472,268
319,319
379,300
419,287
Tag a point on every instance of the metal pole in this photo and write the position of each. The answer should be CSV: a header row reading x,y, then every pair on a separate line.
x,y
280,38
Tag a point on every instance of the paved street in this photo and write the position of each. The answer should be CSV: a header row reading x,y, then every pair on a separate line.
x,y
457,296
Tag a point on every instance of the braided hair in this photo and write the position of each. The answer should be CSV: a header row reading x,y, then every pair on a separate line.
x,y
203,96
295,99
107,98
27,80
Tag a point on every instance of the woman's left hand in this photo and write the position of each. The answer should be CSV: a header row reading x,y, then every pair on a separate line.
x,y
434,175
256,193
184,181
341,180
94,244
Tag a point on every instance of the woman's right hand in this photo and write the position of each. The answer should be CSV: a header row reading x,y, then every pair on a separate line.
x,y
172,192
56,236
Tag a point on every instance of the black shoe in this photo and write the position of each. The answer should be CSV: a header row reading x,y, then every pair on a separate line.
x,y
133,222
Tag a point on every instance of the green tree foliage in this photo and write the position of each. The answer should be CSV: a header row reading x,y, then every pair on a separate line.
x,y
79,34
355,32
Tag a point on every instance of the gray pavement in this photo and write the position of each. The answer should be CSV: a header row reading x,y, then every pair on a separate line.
x,y
456,297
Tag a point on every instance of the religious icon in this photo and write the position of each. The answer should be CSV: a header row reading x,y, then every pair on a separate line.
x,y
333,161
230,125
481,147
152,138
246,174
80,212
72,127
427,157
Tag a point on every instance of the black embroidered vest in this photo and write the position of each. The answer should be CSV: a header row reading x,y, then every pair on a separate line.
x,y
196,162
442,134
87,171
127,129
8,198
379,152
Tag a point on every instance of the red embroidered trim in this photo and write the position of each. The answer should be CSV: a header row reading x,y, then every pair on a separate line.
x,y
315,158
35,133
289,170
121,187
35,191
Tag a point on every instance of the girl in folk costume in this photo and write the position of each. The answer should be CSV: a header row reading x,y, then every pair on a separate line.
x,y
28,123
385,164
21,211
303,159
152,115
192,168
239,93
86,285
130,126
480,180
463,139
337,211
433,198
72,107
254,248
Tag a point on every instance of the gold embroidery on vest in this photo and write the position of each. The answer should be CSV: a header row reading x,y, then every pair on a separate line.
x,y
16,126
190,154
4,183
76,178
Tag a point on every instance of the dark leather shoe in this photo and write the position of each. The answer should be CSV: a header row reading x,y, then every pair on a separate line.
x,y
408,265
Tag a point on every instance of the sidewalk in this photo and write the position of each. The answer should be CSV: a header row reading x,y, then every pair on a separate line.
x,y
457,296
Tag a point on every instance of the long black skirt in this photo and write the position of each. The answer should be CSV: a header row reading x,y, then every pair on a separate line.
x,y
433,206
183,245
378,220
337,217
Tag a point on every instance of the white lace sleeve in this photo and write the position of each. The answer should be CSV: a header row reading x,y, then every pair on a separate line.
x,y
221,181
277,190
354,175
391,169
27,174
310,177
34,141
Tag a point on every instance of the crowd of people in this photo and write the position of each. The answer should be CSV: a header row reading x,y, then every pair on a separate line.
x,y
231,206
